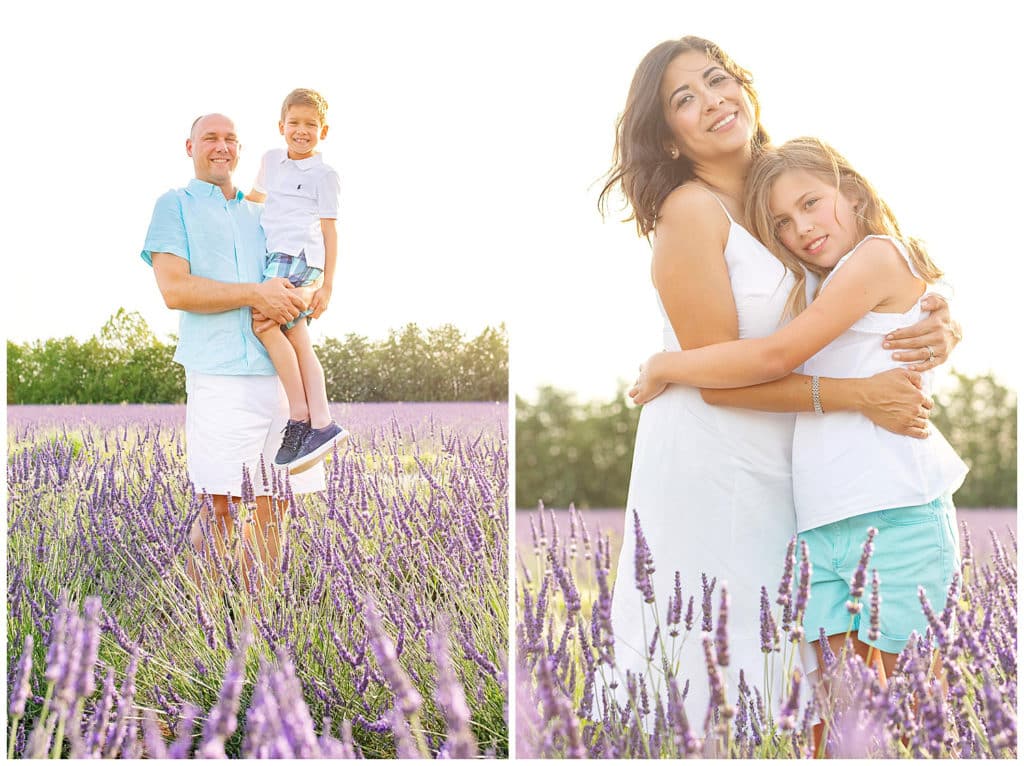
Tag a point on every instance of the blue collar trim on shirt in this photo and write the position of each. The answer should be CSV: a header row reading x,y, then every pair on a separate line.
x,y
199,188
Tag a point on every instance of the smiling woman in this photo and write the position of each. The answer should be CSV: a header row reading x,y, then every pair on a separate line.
x,y
706,109
711,485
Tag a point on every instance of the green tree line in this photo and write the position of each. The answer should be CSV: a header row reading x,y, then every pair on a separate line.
x,y
126,362
568,451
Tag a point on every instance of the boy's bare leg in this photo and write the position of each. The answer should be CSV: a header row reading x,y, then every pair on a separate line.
x,y
285,362
315,387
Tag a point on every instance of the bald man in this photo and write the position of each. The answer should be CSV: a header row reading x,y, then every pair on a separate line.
x,y
207,251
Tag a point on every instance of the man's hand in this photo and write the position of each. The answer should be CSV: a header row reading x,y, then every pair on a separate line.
x,y
260,324
321,298
277,300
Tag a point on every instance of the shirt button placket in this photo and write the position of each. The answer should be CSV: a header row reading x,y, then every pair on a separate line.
x,y
239,279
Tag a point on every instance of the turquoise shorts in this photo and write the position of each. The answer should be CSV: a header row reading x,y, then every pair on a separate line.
x,y
294,269
916,545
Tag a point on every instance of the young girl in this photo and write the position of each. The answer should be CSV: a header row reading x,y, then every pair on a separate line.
x,y
815,212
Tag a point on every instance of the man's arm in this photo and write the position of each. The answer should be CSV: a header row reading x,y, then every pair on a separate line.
x,y
183,290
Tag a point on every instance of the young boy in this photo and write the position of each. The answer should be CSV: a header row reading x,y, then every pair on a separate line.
x,y
301,195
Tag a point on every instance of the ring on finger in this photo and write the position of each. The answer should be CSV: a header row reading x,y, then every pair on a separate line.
x,y
931,354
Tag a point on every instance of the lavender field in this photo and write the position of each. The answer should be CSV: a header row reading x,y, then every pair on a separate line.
x,y
953,693
381,631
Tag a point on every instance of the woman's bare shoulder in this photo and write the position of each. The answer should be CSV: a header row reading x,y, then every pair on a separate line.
x,y
692,205
693,210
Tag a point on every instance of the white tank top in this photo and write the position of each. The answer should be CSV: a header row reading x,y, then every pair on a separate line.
x,y
843,464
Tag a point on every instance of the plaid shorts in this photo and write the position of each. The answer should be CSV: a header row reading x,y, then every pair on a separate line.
x,y
295,270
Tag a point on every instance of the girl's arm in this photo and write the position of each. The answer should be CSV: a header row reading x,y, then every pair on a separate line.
x,y
692,279
863,283
892,400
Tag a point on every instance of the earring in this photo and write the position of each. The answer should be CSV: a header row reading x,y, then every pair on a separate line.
x,y
674,154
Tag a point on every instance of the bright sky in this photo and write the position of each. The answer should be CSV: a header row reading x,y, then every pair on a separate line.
x,y
470,137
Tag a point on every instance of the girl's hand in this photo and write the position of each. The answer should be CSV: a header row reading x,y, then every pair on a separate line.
x,y
647,385
893,400
929,342
321,298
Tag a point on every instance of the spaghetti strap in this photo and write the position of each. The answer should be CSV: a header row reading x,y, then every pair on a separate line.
x,y
718,200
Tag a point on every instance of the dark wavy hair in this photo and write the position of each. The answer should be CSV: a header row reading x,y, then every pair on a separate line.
x,y
640,164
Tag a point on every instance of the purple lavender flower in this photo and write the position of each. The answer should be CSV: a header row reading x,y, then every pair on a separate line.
x,y
21,686
967,557
452,697
786,583
223,718
853,606
952,594
182,745
769,631
89,641
721,635
787,715
874,631
154,747
684,739
205,624
934,623
717,696
653,645
407,699
675,606
802,594
827,655
643,562
706,590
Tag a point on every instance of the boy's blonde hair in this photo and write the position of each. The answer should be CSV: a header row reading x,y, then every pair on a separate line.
x,y
306,97
814,156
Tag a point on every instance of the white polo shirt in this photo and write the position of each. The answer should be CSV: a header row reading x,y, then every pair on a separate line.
x,y
299,193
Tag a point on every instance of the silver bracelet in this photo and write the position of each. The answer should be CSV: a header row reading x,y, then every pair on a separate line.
x,y
816,394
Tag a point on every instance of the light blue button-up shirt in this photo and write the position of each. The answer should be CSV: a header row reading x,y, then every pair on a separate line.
x,y
222,240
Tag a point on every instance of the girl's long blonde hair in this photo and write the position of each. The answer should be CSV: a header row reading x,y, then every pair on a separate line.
x,y
818,158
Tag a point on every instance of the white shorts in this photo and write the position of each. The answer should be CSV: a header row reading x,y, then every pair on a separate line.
x,y
230,421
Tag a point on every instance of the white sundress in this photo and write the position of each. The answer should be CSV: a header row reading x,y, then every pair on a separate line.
x,y
713,488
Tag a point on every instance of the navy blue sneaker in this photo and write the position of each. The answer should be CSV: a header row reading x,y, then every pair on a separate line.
x,y
294,433
318,442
